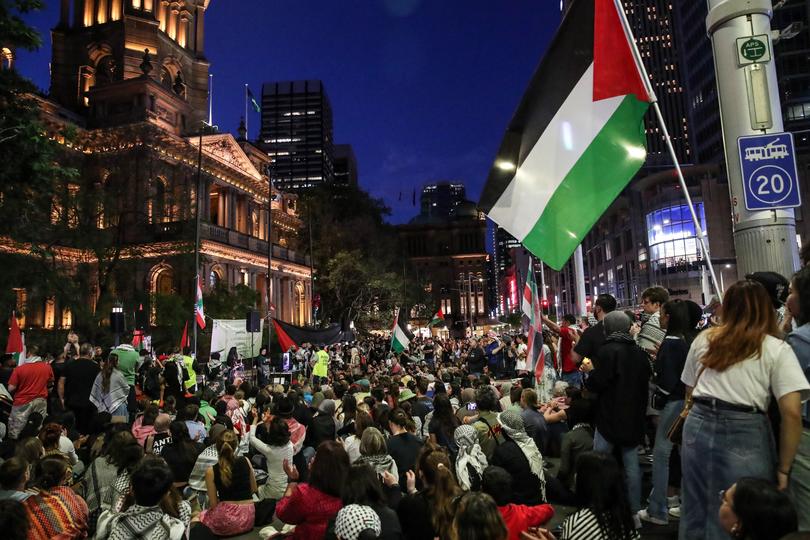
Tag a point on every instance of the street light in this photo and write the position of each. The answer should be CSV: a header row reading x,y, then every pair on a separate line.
x,y
117,322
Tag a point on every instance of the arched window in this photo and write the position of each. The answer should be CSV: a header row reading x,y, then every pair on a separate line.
x,y
159,207
215,276
300,303
162,280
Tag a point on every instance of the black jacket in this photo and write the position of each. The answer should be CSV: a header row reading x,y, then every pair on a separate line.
x,y
321,428
622,383
525,485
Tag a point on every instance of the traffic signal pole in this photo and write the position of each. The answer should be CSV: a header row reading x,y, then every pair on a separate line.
x,y
748,94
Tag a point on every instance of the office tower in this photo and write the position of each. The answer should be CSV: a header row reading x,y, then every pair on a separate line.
x,y
345,166
296,133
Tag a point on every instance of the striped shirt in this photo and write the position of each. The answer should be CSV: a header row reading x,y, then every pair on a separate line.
x,y
57,513
583,525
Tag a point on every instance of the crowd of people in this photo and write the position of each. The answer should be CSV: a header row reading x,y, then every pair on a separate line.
x,y
464,438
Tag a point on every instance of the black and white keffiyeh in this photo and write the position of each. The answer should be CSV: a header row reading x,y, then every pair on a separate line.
x,y
354,519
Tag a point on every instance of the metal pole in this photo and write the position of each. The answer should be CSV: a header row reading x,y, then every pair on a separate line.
x,y
665,134
197,234
247,132
268,284
543,294
579,271
210,98
311,259
749,105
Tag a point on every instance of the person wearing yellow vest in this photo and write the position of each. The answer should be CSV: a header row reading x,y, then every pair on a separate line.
x,y
321,369
189,363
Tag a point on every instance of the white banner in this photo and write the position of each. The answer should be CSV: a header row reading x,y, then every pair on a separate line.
x,y
232,333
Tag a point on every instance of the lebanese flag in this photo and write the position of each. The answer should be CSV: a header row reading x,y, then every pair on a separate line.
x,y
199,314
576,139
16,342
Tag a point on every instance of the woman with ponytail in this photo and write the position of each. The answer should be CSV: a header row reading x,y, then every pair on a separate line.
x,y
429,513
231,485
54,510
110,390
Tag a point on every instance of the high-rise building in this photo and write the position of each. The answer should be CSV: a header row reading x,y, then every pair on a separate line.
x,y
345,166
441,199
296,133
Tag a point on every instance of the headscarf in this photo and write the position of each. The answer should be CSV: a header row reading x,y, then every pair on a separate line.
x,y
354,519
469,453
512,424
617,327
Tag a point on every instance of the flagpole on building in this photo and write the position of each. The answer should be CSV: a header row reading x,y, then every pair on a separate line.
x,y
247,130
197,233
268,284
665,133
210,98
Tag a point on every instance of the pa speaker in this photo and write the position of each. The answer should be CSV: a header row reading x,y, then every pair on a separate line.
x,y
117,322
253,321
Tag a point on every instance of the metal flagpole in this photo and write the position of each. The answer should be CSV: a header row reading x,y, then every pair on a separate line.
x,y
268,285
210,98
247,131
665,133
197,236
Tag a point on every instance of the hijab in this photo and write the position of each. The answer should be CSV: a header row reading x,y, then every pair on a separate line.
x,y
512,424
469,453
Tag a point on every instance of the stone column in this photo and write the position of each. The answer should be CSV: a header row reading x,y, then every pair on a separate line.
x,y
198,33
162,9
64,13
182,31
171,25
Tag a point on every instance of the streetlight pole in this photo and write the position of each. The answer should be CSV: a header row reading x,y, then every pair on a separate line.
x,y
268,284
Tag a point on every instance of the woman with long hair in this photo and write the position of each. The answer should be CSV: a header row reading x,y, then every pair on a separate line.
x,y
230,484
443,423
276,449
733,371
545,386
668,399
309,506
110,389
362,421
429,513
181,453
144,424
54,510
477,518
604,511
754,509
374,452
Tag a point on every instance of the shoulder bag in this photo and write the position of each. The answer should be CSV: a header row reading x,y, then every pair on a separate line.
x,y
675,433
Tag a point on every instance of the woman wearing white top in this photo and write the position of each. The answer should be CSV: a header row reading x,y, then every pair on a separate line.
x,y
732,371
276,451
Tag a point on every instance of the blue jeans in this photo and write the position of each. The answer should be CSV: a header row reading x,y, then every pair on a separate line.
x,y
719,447
660,470
632,470
573,378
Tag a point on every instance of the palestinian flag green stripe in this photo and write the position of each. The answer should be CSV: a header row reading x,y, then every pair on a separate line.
x,y
592,184
399,340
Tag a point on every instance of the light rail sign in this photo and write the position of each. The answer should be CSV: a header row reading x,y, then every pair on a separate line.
x,y
769,173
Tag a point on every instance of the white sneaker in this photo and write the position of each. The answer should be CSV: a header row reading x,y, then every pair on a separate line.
x,y
673,501
636,521
645,516
675,512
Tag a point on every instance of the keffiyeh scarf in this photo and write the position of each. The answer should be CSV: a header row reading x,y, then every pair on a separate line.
x,y
469,453
512,424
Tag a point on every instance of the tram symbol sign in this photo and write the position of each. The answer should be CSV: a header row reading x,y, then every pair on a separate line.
x,y
769,174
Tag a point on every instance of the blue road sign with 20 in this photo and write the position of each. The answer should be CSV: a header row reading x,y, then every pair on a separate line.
x,y
769,171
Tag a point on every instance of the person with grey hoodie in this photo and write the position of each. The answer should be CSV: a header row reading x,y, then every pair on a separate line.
x,y
798,303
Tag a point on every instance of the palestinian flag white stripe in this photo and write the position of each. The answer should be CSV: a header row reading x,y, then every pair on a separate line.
x,y
562,144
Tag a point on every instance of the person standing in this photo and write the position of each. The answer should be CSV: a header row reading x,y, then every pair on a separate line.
x,y
128,361
568,339
732,371
651,334
594,336
74,388
190,364
320,370
110,389
476,358
29,383
621,382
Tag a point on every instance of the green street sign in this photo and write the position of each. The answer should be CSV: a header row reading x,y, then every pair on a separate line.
x,y
752,49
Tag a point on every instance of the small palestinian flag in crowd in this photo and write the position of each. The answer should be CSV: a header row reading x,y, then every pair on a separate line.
x,y
400,335
438,318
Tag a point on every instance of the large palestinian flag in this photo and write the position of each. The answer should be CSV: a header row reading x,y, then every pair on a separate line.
x,y
400,335
576,139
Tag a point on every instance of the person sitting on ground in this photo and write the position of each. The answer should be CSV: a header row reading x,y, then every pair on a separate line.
x,y
14,476
144,424
356,522
154,509
13,520
487,426
520,456
604,512
576,441
429,513
443,423
373,451
55,442
478,518
363,487
470,461
497,483
161,437
403,445
309,506
362,421
533,419
54,510
322,426
754,509
181,453
276,449
231,485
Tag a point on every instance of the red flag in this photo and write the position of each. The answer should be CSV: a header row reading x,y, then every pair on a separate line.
x,y
284,340
15,342
185,341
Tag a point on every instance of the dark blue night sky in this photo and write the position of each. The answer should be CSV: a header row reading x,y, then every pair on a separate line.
x,y
423,89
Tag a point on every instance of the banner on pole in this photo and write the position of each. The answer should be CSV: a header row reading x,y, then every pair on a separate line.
x,y
227,333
